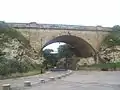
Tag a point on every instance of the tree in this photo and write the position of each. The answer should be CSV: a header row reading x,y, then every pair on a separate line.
x,y
113,39
116,28
50,58
3,25
110,42
47,53
64,51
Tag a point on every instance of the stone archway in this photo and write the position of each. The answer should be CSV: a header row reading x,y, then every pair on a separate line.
x,y
80,47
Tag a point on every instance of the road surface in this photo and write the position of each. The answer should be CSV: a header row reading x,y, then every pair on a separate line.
x,y
84,80
19,82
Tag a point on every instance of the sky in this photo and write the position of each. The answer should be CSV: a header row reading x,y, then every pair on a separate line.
x,y
54,46
76,12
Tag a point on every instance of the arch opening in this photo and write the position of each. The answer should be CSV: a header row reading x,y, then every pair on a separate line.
x,y
80,47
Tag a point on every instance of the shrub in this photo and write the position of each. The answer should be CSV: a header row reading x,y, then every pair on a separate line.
x,y
4,67
9,66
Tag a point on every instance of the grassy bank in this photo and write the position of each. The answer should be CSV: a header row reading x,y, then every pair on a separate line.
x,y
16,75
16,54
102,67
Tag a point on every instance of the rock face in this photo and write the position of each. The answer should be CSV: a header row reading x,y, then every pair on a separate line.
x,y
73,62
111,54
61,63
14,46
14,49
87,61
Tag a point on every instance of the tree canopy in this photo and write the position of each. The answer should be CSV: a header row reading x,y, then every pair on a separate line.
x,y
50,58
116,28
64,51
113,39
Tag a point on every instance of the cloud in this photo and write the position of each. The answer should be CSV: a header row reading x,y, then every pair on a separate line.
x,y
81,12
54,46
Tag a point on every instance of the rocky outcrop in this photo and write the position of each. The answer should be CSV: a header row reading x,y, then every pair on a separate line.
x,y
86,61
14,46
111,54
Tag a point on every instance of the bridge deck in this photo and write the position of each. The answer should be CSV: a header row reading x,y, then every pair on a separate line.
x,y
58,27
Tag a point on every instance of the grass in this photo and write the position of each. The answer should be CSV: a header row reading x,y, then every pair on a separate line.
x,y
106,66
35,72
17,75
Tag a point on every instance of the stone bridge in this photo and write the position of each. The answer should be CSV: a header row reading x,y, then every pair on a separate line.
x,y
85,40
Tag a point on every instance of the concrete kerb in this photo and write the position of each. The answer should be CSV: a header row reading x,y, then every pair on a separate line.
x,y
47,72
27,83
63,75
52,78
42,80
6,87
59,77
69,72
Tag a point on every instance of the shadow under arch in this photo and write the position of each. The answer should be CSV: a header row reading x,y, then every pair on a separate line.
x,y
81,48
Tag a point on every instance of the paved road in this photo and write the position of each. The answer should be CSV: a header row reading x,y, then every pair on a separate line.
x,y
19,82
84,80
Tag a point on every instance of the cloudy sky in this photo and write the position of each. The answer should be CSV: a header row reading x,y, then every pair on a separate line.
x,y
80,12
54,46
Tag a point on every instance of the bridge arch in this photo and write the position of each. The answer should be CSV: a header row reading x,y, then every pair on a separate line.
x,y
81,48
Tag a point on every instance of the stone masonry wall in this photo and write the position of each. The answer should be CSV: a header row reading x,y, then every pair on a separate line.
x,y
38,37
